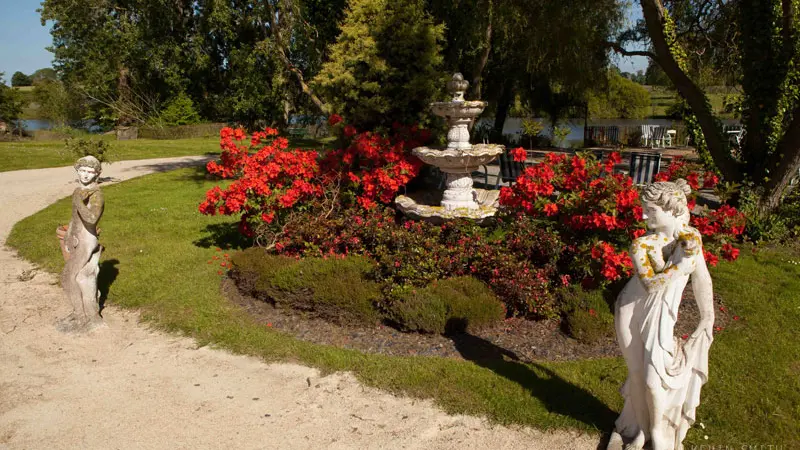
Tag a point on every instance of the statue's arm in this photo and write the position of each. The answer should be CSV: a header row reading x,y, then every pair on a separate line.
x,y
91,211
704,296
651,280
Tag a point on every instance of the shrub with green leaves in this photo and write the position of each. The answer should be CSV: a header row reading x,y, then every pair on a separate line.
x,y
447,306
98,148
334,289
385,64
178,111
587,315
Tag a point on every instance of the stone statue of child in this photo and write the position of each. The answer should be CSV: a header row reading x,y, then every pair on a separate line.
x,y
665,374
79,278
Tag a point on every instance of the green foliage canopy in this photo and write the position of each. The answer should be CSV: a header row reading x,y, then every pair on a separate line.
x,y
619,98
10,102
385,65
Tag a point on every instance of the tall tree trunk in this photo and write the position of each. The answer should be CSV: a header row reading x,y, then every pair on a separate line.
x,y
654,18
786,161
124,96
477,73
503,106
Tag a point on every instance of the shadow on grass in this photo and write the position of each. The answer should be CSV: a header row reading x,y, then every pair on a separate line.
x,y
186,161
199,175
223,235
558,395
105,278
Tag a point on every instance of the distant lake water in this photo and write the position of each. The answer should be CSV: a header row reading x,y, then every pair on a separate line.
x,y
44,124
513,125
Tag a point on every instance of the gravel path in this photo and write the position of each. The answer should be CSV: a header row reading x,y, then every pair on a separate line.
x,y
129,387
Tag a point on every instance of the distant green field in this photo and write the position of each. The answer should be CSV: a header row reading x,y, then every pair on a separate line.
x,y
661,99
39,154
19,155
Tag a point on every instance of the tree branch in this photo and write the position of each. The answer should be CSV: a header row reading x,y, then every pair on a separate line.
x,y
622,51
653,12
275,32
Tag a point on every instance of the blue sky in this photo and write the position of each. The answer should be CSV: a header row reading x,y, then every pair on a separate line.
x,y
23,40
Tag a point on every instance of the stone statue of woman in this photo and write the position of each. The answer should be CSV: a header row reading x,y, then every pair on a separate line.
x,y
664,374
82,250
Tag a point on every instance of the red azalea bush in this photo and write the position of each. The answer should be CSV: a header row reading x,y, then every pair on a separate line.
x,y
569,218
274,185
593,209
720,227
599,212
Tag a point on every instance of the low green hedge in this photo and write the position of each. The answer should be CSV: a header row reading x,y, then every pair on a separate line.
x,y
341,290
333,289
447,306
587,315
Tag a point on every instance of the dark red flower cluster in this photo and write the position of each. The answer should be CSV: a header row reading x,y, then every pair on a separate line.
x,y
516,260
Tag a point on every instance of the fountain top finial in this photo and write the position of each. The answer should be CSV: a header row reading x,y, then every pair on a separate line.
x,y
457,86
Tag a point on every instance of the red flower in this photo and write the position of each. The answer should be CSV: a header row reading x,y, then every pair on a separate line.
x,y
519,154
710,180
349,131
551,209
334,119
729,252
710,258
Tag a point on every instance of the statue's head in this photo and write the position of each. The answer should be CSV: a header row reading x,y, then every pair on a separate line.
x,y
88,169
664,204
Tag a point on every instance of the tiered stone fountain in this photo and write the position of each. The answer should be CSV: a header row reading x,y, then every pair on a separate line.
x,y
458,160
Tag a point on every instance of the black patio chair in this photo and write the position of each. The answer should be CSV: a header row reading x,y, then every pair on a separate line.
x,y
510,170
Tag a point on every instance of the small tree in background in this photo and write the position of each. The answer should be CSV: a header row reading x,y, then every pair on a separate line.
x,y
179,111
19,79
620,99
56,103
385,65
10,103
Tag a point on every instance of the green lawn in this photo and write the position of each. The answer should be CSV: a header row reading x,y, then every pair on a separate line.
x,y
661,100
18,155
158,246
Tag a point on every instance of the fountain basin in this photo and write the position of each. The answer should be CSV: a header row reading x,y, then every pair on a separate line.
x,y
459,161
467,109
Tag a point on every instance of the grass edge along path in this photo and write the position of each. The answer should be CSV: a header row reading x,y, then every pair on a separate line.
x,y
158,249
31,154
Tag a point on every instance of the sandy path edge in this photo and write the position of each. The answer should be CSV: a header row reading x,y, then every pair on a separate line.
x,y
130,387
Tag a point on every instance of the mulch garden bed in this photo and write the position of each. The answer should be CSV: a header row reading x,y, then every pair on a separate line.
x,y
518,339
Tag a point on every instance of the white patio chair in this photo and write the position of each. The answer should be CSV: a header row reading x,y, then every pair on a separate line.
x,y
657,136
647,131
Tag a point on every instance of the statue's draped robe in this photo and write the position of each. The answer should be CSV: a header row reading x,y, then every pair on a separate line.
x,y
682,367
